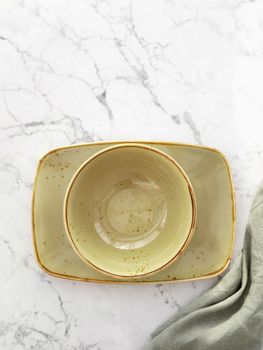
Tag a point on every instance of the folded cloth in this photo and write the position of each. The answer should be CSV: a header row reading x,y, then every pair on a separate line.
x,y
229,316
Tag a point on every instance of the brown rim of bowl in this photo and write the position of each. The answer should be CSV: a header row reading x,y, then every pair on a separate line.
x,y
193,202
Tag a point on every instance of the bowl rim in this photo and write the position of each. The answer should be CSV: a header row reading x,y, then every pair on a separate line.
x,y
193,206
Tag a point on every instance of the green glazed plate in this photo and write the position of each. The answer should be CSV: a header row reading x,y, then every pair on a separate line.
x,y
208,253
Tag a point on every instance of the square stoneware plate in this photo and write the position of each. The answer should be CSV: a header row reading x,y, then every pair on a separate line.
x,y
210,249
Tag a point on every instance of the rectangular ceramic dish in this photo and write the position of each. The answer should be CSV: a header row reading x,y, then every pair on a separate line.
x,y
210,249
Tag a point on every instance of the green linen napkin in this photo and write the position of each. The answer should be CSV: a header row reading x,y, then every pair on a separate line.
x,y
230,315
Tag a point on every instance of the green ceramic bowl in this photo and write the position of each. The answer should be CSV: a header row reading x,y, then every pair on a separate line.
x,y
129,210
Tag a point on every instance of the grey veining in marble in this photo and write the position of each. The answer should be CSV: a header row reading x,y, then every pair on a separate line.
x,y
79,71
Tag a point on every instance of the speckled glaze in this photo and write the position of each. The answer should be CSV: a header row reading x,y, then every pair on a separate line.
x,y
208,252
129,210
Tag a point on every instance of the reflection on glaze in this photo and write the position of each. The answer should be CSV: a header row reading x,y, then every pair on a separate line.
x,y
131,212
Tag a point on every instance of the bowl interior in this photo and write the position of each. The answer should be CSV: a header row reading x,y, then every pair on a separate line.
x,y
129,210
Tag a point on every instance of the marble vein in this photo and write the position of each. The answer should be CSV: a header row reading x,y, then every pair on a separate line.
x,y
190,122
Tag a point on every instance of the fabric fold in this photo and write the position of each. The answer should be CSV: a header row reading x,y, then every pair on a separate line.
x,y
230,314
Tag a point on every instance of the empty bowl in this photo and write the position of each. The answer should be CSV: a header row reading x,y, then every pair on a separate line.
x,y
129,210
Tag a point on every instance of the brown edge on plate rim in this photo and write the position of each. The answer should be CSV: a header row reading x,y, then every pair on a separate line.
x,y
193,205
130,281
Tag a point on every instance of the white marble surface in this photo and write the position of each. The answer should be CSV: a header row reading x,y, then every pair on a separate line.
x,y
77,71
